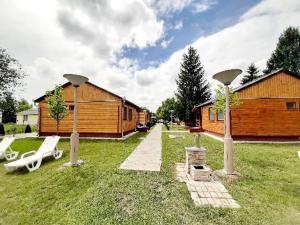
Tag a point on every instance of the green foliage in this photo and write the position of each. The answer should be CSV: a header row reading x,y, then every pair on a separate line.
x,y
287,52
219,103
23,105
27,129
192,86
11,72
8,108
252,74
17,129
56,105
2,131
163,112
268,190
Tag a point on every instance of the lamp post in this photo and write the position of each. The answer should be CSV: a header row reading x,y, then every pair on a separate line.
x,y
171,111
76,81
226,77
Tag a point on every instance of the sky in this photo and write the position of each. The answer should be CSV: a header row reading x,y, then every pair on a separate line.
x,y
134,47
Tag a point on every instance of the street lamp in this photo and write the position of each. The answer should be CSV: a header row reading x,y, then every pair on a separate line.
x,y
226,77
76,81
171,111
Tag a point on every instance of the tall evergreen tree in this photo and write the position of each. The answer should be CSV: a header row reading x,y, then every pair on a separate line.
x,y
252,74
192,87
8,108
287,52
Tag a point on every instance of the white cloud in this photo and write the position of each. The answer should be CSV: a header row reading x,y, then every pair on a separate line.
x,y
178,25
252,39
48,50
107,26
204,5
169,6
166,43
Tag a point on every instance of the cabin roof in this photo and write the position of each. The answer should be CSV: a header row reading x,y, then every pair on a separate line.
x,y
100,88
257,80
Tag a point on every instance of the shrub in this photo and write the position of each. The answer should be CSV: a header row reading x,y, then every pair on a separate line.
x,y
27,129
2,131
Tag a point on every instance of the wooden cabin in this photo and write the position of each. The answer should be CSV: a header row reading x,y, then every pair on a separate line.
x,y
144,117
269,108
100,113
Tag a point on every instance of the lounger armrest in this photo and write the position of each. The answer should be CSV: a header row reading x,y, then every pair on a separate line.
x,y
27,153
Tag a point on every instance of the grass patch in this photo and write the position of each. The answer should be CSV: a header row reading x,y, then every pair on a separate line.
x,y
174,127
100,193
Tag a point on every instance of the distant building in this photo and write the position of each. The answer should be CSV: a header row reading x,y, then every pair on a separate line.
x,y
29,116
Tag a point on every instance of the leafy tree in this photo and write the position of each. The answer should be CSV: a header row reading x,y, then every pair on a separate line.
x,y
192,87
8,108
56,105
287,52
23,105
11,72
252,74
163,111
219,103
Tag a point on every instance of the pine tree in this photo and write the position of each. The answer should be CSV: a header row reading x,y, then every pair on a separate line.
x,y
192,87
252,74
287,52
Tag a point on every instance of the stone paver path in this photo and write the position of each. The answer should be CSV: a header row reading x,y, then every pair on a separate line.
x,y
212,193
147,155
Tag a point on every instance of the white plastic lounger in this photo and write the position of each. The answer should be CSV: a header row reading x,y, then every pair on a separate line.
x,y
33,159
5,149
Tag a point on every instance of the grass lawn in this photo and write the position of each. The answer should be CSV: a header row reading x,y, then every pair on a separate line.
x,y
100,193
174,127
8,127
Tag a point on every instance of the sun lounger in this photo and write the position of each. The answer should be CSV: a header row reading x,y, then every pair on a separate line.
x,y
5,149
33,159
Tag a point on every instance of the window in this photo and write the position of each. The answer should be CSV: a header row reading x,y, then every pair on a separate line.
x,y
291,105
125,113
25,118
130,114
220,116
211,114
71,108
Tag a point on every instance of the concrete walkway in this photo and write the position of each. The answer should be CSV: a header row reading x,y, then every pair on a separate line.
x,y
22,135
147,155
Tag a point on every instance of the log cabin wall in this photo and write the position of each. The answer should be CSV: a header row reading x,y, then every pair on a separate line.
x,y
264,110
143,118
215,125
130,122
266,117
99,114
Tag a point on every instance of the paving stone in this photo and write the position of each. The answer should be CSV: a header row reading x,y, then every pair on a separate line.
x,y
206,193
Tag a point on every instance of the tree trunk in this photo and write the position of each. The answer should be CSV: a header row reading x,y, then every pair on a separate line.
x,y
57,127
